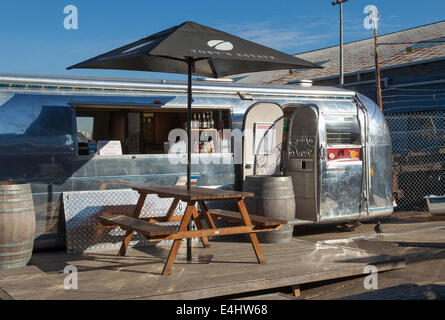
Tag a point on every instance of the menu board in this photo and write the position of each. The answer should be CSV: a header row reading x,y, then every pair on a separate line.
x,y
264,138
109,148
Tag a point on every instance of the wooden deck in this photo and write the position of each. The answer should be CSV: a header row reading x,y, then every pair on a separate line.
x,y
233,269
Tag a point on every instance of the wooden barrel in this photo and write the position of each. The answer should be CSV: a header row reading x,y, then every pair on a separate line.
x,y
275,198
17,224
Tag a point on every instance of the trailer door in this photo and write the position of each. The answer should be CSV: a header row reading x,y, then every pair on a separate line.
x,y
302,160
341,167
263,135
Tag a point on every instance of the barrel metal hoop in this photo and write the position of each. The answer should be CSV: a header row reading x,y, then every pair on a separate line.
x,y
16,244
18,187
17,210
14,263
15,200
268,178
272,188
15,253
9,194
273,198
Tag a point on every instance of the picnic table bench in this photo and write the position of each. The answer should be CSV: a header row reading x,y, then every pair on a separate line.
x,y
149,227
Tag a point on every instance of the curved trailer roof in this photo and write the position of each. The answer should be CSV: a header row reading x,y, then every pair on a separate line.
x,y
116,85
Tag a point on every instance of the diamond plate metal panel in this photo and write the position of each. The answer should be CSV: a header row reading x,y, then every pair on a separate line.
x,y
84,233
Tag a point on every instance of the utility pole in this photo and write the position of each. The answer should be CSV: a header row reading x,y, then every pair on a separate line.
x,y
340,2
374,15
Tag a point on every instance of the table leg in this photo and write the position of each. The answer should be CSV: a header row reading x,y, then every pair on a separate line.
x,y
172,209
253,237
177,243
204,240
129,233
199,226
207,215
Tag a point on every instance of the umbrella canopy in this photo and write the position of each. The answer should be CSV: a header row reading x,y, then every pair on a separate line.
x,y
215,54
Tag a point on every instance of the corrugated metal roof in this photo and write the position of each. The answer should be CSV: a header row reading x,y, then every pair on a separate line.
x,y
359,55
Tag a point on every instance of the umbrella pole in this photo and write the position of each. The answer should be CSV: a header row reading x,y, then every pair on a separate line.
x,y
189,144
189,120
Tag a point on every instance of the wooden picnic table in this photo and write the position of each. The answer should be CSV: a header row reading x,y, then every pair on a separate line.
x,y
149,227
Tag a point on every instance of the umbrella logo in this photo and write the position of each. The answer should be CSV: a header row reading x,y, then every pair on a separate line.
x,y
220,45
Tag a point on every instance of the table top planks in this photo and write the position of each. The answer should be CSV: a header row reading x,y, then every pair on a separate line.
x,y
194,194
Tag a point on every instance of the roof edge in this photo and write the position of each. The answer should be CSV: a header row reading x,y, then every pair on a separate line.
x,y
370,38
176,86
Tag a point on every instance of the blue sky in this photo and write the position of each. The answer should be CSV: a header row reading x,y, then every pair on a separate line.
x,y
34,40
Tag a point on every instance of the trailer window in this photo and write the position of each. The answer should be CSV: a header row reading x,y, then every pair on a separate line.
x,y
146,131
34,130
342,130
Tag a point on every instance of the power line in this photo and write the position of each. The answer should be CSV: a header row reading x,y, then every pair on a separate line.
x,y
417,101
419,107
413,95
413,42
415,89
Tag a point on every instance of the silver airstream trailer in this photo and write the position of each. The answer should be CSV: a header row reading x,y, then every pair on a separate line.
x,y
334,143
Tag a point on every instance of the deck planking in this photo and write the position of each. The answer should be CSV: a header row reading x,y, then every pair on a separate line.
x,y
233,269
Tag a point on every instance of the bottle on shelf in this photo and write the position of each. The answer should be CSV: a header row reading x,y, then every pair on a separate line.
x,y
194,122
212,121
204,121
210,145
196,147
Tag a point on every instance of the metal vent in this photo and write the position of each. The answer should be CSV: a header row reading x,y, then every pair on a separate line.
x,y
213,79
303,83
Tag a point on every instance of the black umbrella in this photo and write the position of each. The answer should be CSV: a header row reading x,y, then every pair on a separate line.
x,y
194,49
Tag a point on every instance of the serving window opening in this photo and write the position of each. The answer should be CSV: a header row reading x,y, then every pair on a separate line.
x,y
120,131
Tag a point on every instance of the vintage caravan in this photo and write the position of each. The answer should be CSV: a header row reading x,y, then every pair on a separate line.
x,y
334,143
